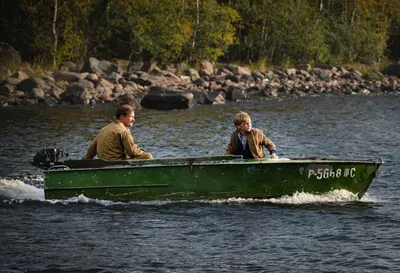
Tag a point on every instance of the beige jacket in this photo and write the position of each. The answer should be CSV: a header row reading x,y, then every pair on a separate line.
x,y
114,142
255,139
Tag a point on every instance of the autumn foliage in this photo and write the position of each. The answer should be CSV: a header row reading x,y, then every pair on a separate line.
x,y
269,31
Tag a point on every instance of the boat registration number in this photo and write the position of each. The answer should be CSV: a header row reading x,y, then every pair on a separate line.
x,y
325,173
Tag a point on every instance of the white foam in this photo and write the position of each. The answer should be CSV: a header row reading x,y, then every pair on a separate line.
x,y
335,196
83,200
367,198
15,189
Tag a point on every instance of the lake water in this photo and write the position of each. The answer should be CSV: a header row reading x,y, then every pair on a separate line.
x,y
335,232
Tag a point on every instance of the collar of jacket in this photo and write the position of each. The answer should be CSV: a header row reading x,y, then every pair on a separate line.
x,y
250,138
117,121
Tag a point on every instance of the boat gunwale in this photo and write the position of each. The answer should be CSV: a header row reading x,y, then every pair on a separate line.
x,y
59,168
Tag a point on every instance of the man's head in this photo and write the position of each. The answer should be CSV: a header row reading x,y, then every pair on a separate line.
x,y
242,122
126,114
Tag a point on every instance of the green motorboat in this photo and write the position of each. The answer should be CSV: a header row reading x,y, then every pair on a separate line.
x,y
199,178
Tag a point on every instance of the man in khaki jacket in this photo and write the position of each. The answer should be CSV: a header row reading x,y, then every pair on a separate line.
x,y
248,141
115,141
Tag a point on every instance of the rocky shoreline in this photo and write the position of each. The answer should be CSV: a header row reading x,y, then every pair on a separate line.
x,y
101,83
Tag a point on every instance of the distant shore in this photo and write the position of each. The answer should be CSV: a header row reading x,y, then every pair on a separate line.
x,y
100,83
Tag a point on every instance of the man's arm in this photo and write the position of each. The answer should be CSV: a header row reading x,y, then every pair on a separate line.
x,y
131,149
92,151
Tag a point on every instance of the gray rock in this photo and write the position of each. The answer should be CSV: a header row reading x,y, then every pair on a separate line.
x,y
29,84
236,93
257,75
128,99
35,93
210,97
192,74
167,99
201,82
48,101
79,93
291,72
155,70
142,81
254,91
12,81
246,78
239,70
20,75
67,76
323,74
233,78
223,71
102,68
6,90
206,68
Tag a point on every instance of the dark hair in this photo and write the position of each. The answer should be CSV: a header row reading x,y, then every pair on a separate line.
x,y
124,110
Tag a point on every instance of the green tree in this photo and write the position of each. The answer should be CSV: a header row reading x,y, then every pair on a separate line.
x,y
358,30
156,30
215,30
280,31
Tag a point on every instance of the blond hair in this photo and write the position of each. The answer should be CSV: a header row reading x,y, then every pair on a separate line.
x,y
240,117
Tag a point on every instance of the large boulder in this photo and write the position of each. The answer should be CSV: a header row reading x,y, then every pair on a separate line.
x,y
31,85
167,99
10,60
82,92
104,69
206,68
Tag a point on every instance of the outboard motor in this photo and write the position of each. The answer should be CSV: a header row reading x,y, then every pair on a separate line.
x,y
47,158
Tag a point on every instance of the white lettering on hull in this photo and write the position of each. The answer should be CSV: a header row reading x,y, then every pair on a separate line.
x,y
327,173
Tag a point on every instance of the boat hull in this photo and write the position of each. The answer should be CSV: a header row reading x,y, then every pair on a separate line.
x,y
186,180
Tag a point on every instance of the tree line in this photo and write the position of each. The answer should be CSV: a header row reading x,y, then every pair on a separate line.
x,y
272,32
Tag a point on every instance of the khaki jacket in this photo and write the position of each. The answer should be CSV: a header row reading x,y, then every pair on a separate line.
x,y
114,142
255,139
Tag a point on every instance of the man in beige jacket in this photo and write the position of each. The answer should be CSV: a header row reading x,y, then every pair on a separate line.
x,y
248,141
115,141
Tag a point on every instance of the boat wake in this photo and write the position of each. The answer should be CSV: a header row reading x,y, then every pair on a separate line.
x,y
335,196
14,189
